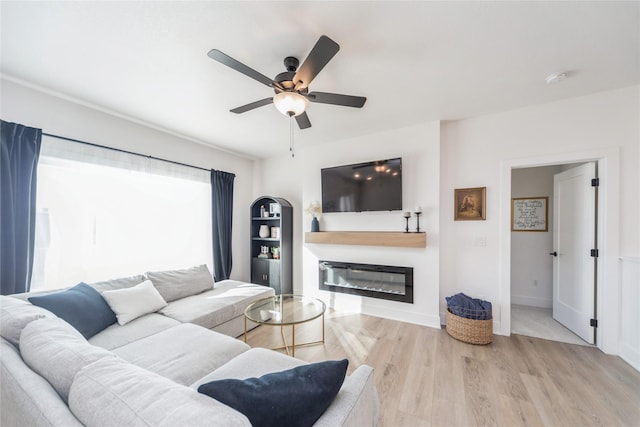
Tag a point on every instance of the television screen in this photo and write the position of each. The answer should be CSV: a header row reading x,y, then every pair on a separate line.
x,y
370,186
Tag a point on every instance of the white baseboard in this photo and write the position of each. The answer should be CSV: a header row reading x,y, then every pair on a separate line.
x,y
497,328
362,305
631,356
531,301
401,315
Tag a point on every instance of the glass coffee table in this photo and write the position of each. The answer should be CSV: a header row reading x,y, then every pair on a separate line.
x,y
285,310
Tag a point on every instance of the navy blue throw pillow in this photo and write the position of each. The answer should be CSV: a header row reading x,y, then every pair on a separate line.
x,y
81,306
293,398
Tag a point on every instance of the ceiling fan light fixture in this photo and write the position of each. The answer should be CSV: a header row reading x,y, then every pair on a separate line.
x,y
290,103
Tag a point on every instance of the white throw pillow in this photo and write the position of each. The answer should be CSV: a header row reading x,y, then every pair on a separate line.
x,y
130,303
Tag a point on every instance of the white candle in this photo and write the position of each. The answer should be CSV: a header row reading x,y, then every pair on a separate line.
x,y
418,209
407,214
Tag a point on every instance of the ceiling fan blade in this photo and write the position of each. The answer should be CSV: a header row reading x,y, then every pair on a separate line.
x,y
320,55
225,59
251,106
337,99
303,121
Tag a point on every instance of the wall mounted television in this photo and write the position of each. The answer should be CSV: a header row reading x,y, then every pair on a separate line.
x,y
369,186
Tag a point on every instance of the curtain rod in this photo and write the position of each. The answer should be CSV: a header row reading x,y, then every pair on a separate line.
x,y
123,151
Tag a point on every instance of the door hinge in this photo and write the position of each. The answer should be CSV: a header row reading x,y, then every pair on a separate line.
x,y
594,253
595,182
593,323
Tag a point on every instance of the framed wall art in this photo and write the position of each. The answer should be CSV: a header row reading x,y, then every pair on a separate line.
x,y
530,214
470,204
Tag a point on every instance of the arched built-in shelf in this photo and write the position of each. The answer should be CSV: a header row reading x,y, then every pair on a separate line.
x,y
276,214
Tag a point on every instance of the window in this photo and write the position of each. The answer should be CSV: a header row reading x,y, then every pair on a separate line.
x,y
103,214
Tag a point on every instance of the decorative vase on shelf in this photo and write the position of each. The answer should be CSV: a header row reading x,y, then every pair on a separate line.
x,y
264,231
315,210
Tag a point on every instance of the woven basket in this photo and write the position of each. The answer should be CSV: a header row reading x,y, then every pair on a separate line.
x,y
469,330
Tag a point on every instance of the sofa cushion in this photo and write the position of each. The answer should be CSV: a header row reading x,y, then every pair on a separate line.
x,y
357,402
26,398
295,397
116,336
176,284
15,314
115,393
81,306
255,362
120,283
209,309
55,350
130,303
182,353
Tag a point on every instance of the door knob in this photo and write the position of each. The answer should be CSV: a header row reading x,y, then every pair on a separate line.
x,y
554,253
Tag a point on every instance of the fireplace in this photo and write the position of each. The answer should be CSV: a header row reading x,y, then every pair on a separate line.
x,y
376,281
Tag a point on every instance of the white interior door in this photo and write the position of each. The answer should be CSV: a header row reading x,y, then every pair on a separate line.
x,y
574,222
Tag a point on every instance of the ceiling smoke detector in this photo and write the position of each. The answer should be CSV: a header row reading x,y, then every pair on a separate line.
x,y
556,77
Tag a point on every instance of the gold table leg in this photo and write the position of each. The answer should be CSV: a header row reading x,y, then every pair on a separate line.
x,y
245,328
284,340
293,340
291,349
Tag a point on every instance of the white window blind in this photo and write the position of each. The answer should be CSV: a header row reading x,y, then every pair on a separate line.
x,y
104,214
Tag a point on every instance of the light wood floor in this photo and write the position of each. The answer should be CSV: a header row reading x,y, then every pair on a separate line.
x,y
424,377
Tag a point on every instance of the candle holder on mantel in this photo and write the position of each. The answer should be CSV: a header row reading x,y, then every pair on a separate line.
x,y
407,215
418,221
418,212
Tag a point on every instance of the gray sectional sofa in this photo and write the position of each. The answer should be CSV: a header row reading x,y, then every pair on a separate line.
x,y
147,371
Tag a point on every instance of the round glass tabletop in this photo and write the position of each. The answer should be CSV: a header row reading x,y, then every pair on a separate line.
x,y
285,310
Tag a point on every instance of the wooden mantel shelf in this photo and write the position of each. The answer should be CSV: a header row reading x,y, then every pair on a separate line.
x,y
367,238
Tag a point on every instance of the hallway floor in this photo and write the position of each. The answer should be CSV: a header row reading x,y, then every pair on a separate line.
x,y
538,322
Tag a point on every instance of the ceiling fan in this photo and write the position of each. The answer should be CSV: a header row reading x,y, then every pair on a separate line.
x,y
292,86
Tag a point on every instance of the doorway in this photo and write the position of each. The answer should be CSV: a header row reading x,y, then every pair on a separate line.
x,y
608,303
533,299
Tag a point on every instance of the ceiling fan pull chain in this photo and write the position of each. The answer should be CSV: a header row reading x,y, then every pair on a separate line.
x,y
291,135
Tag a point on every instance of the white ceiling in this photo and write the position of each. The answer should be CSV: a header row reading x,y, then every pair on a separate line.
x,y
414,61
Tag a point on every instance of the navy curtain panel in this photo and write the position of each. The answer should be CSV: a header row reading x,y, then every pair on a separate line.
x,y
19,151
222,220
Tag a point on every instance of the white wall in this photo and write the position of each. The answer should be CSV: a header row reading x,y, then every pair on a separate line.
x,y
298,180
531,264
475,152
629,313
62,117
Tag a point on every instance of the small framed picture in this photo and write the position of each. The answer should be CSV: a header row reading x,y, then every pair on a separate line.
x,y
470,204
530,214
274,209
